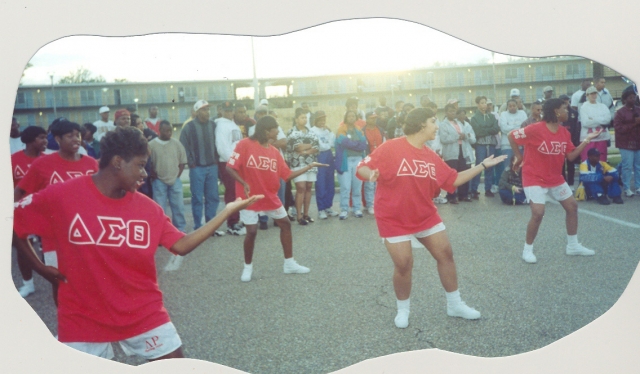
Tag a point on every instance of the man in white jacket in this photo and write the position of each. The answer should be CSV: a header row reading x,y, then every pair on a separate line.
x,y
594,116
228,134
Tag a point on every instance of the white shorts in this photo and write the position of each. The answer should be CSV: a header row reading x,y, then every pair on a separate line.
x,y
250,217
150,345
310,176
51,258
536,194
422,234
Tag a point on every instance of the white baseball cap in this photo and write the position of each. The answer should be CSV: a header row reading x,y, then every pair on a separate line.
x,y
515,92
264,102
103,109
200,104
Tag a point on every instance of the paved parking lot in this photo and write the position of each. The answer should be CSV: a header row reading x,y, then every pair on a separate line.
x,y
342,312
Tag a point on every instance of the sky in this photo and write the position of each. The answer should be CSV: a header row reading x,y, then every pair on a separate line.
x,y
342,47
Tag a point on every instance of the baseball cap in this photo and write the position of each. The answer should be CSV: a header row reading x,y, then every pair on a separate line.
x,y
515,92
121,112
262,109
371,114
200,104
453,101
103,109
264,102
591,90
488,101
547,89
593,152
564,97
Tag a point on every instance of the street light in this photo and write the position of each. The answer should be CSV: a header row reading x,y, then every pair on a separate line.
x,y
136,101
53,93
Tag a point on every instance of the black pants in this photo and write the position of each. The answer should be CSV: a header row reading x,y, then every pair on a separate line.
x,y
460,165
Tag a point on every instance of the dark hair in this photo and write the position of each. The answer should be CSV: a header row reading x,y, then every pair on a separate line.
x,y
126,142
399,102
164,122
480,98
31,133
134,118
510,100
299,112
91,127
549,109
401,118
449,106
415,119
432,105
344,120
351,101
408,104
626,93
64,126
263,125
537,102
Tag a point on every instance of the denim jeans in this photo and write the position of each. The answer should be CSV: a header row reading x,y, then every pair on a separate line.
x,y
349,183
325,183
204,191
369,193
482,152
630,165
173,194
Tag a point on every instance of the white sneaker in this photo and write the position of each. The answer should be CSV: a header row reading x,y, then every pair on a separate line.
x,y
529,257
579,250
174,263
331,213
237,230
462,310
628,193
322,215
246,273
292,267
358,214
402,319
344,214
219,233
26,290
440,200
494,188
370,210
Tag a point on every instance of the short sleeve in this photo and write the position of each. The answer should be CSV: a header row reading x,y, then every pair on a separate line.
x,y
235,160
182,159
32,181
31,215
170,234
283,170
522,136
445,175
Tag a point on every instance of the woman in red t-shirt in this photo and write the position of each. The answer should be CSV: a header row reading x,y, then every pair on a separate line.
x,y
547,144
257,167
107,235
35,138
409,175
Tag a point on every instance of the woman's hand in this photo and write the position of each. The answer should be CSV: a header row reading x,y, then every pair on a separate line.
x,y
492,161
593,135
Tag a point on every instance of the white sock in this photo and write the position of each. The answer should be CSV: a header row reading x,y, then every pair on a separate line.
x,y
528,247
289,261
572,239
28,282
453,297
248,266
403,304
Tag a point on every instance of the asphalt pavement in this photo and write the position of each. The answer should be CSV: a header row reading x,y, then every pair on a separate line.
x,y
342,312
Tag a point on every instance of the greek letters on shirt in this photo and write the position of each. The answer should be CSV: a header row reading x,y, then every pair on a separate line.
x,y
417,168
18,173
114,232
264,163
555,148
56,178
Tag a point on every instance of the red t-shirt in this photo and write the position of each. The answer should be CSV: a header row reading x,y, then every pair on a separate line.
x,y
544,154
409,178
106,250
52,169
20,164
374,137
262,168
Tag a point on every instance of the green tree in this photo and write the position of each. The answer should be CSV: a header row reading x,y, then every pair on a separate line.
x,y
81,75
25,69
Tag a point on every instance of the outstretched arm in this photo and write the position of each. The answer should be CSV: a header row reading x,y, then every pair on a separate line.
x,y
305,169
578,150
467,175
190,241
